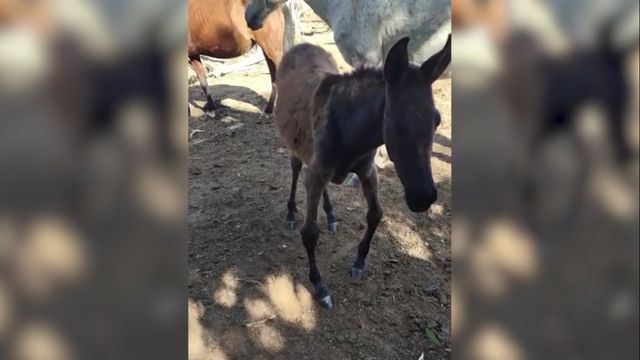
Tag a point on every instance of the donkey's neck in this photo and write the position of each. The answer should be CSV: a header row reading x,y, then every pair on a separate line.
x,y
326,9
362,132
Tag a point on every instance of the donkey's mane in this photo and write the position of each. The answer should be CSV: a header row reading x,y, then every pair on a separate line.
x,y
351,83
365,73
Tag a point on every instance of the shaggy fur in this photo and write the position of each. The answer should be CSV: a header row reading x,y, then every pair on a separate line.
x,y
310,83
334,123
302,70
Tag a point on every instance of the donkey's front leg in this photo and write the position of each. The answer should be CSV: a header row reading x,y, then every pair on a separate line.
x,y
332,224
369,181
316,182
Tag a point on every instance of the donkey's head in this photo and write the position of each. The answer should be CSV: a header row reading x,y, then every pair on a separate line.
x,y
411,119
258,10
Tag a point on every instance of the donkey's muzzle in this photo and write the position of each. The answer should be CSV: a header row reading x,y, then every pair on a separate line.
x,y
253,19
254,23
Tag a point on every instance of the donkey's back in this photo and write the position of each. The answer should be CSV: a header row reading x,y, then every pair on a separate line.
x,y
300,73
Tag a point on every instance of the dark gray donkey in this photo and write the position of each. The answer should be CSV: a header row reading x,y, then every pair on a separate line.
x,y
334,123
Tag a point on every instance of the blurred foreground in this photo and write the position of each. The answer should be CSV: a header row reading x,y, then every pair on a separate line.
x,y
92,179
545,182
93,186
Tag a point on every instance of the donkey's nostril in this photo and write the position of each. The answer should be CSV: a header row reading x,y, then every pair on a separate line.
x,y
254,22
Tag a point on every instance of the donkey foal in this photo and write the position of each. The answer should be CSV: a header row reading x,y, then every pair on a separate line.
x,y
334,123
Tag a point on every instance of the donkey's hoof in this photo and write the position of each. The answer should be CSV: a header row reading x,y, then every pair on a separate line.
x,y
327,302
323,297
352,181
211,106
357,274
332,226
291,225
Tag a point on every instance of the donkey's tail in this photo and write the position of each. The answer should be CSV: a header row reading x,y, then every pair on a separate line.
x,y
292,35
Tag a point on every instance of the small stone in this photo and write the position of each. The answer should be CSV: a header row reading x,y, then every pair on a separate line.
x,y
444,299
431,289
228,119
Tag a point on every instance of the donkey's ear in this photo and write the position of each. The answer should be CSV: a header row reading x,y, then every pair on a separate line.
x,y
396,65
435,66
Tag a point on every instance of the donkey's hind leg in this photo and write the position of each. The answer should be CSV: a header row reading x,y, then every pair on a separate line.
x,y
369,181
316,181
196,65
332,224
296,166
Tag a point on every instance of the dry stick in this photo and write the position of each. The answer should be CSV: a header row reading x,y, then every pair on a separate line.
x,y
194,131
199,141
251,281
260,322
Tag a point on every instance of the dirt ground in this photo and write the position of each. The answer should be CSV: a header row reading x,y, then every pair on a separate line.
x,y
250,297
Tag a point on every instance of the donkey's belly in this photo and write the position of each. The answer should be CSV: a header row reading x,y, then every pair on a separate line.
x,y
218,29
343,169
339,175
223,48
